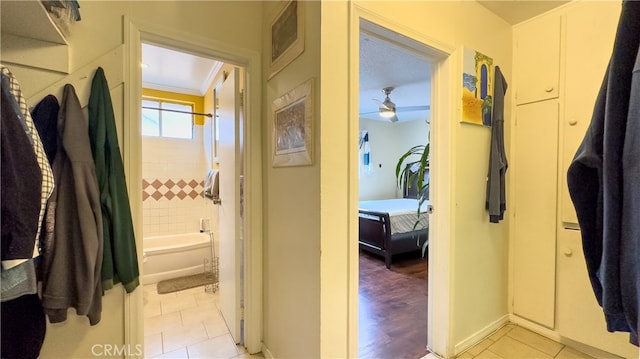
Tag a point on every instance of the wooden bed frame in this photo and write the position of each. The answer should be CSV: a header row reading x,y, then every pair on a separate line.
x,y
375,233
375,236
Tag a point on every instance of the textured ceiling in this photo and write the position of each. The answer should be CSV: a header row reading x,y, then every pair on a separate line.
x,y
170,70
389,64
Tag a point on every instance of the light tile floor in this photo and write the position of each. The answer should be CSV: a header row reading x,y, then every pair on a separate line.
x,y
187,324
512,341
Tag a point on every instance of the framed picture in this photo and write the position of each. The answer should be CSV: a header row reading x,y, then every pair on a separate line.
x,y
293,127
286,36
477,87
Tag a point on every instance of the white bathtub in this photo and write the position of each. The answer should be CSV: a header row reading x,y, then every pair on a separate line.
x,y
172,256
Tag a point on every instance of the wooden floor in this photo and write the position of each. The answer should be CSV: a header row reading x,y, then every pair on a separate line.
x,y
392,319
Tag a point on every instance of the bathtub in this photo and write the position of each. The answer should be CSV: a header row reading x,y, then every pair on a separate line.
x,y
172,256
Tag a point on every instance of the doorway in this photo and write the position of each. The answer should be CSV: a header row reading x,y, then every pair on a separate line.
x,y
206,338
437,253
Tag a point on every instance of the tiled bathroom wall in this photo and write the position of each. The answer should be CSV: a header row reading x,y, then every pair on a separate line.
x,y
173,172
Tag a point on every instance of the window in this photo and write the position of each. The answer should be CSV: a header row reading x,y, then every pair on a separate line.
x,y
156,123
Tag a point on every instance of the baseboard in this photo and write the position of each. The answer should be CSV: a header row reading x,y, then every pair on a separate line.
x,y
481,334
266,353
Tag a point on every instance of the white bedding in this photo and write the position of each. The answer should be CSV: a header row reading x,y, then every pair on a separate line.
x,y
402,212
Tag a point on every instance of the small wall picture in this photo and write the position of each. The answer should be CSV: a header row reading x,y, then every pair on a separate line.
x,y
477,88
293,127
286,36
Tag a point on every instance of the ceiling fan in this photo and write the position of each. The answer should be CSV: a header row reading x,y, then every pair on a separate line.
x,y
388,109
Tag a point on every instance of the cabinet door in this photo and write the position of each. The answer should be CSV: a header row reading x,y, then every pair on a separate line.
x,y
590,26
535,185
537,59
580,318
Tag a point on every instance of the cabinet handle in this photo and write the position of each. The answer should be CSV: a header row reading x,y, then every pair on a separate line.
x,y
548,89
573,122
568,252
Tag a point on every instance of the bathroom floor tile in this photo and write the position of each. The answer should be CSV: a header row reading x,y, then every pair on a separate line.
x,y
488,354
501,332
176,338
152,345
170,305
221,347
160,323
176,354
200,314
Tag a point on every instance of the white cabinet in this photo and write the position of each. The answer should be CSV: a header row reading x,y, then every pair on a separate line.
x,y
535,182
590,32
537,59
580,318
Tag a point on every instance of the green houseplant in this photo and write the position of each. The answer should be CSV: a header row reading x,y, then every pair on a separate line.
x,y
413,169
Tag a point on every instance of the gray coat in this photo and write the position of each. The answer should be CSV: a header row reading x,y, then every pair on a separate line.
x,y
73,258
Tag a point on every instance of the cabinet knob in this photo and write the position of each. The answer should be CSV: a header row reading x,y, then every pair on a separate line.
x,y
573,122
568,252
548,89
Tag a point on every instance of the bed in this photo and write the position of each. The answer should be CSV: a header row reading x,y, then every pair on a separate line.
x,y
386,226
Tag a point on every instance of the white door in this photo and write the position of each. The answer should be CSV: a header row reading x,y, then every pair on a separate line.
x,y
229,211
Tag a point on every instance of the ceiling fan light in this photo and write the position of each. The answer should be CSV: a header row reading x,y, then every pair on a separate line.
x,y
387,113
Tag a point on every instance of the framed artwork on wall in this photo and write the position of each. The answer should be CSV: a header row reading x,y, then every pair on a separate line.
x,y
477,87
286,36
293,127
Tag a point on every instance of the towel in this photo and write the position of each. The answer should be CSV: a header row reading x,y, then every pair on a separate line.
x,y
211,189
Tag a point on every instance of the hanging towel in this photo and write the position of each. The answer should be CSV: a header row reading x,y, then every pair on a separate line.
x,y
120,261
211,185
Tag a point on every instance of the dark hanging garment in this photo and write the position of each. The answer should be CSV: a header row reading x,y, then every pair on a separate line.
x,y
21,182
71,263
45,117
496,184
120,262
604,182
23,327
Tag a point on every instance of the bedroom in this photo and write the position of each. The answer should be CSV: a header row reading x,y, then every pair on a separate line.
x,y
399,274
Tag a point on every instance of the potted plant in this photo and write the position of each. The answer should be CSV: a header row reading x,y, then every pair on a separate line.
x,y
414,171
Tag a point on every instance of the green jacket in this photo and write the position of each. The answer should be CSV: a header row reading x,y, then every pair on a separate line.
x,y
120,261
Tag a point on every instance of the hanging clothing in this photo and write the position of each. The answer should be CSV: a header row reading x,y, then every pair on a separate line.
x,y
603,182
47,176
21,183
71,267
23,327
45,118
496,183
120,263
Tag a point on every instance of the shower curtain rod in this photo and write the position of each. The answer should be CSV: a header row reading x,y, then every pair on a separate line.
x,y
191,113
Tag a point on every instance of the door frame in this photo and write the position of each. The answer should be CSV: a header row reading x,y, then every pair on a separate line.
x,y
137,32
439,330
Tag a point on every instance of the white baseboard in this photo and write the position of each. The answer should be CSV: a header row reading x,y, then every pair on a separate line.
x,y
266,353
481,334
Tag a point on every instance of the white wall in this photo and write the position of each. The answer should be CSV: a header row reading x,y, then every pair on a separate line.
x,y
292,211
101,30
388,141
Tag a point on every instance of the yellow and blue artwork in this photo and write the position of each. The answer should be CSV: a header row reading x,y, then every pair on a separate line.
x,y
477,87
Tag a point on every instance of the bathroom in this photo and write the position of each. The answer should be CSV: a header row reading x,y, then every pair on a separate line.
x,y
180,220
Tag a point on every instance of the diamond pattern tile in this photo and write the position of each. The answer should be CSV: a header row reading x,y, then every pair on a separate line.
x,y
180,189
